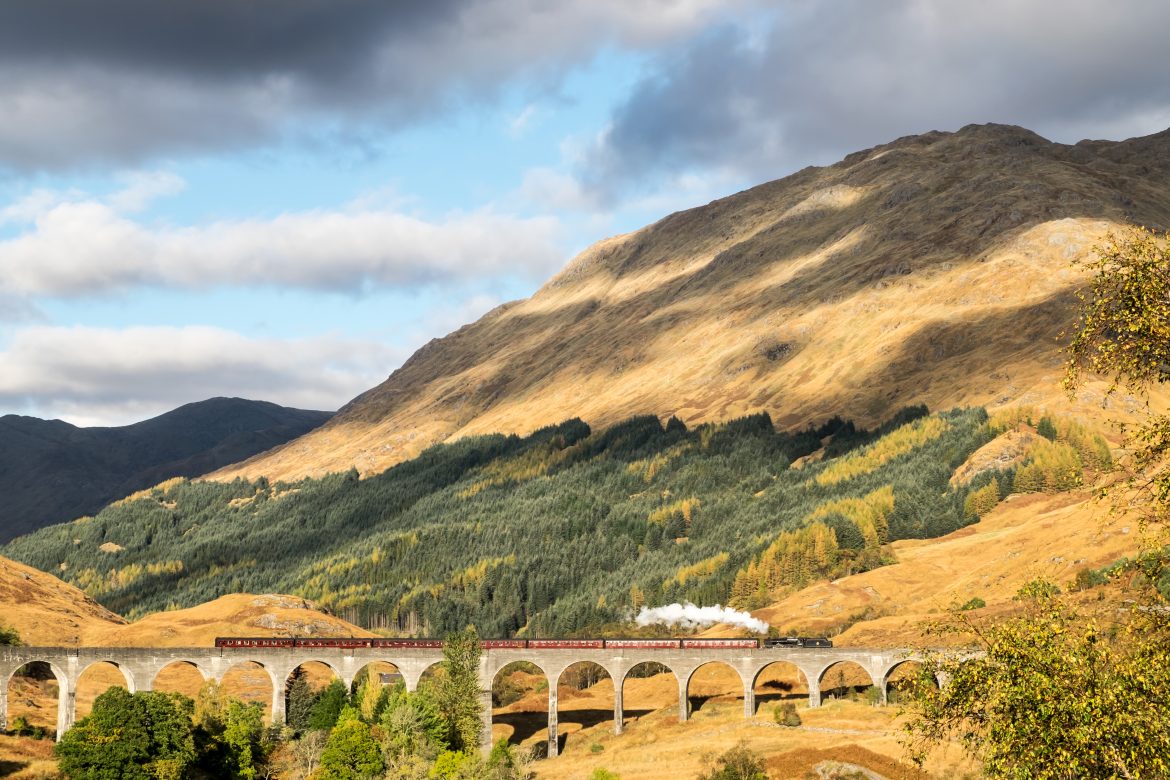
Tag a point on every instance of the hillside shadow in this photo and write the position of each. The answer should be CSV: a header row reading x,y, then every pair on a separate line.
x,y
777,690
696,703
965,353
590,718
11,767
527,724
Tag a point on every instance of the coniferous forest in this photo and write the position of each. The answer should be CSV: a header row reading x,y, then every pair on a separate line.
x,y
565,531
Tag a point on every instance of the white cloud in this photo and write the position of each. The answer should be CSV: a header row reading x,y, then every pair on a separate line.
x,y
75,247
143,188
558,190
27,208
100,376
519,124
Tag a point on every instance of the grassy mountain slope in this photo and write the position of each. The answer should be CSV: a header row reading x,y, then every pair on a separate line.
x,y
934,269
51,471
565,531
1053,536
46,611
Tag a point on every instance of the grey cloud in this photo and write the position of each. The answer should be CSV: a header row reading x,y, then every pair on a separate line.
x,y
123,80
832,77
320,41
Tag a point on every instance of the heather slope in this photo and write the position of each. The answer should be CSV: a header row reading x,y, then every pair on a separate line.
x,y
51,471
934,269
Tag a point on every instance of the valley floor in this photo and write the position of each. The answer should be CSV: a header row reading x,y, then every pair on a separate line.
x,y
656,746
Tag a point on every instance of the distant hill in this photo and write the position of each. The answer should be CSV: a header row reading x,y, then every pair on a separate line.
x,y
51,471
935,269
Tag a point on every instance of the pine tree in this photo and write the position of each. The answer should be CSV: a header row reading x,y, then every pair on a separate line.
x,y
456,690
328,706
300,699
1046,428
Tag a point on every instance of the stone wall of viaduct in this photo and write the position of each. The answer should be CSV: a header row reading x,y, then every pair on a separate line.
x,y
140,666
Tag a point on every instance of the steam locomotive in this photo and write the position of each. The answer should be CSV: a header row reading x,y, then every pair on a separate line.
x,y
348,643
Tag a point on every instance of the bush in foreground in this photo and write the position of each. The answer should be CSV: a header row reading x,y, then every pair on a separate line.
x,y
131,737
738,763
786,715
1055,693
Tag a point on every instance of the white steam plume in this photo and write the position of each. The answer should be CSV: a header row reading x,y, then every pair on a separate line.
x,y
689,616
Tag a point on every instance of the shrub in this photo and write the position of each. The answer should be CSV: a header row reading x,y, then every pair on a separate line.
x,y
738,763
597,747
786,715
974,603
8,635
1089,578
604,774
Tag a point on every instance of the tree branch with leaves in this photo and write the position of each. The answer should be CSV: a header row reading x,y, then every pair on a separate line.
x,y
1123,334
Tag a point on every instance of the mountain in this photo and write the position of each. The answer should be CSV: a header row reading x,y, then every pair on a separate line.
x,y
51,471
933,270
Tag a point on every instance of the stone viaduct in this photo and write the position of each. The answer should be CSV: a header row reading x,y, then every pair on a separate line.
x,y
140,666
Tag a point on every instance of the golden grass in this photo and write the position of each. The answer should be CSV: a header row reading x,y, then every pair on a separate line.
x,y
47,611
1026,537
23,758
658,747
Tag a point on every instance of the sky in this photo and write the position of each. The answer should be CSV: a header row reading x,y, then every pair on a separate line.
x,y
283,199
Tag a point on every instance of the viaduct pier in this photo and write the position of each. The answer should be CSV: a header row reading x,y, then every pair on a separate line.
x,y
140,666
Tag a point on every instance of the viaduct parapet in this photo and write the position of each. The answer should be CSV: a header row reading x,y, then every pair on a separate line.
x,y
140,666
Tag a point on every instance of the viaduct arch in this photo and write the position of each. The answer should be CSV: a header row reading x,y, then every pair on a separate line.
x,y
140,666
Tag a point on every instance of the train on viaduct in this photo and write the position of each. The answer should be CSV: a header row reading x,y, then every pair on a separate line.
x,y
140,666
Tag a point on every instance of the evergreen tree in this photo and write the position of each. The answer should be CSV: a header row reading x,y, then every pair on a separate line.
x,y
328,707
300,699
1046,428
456,690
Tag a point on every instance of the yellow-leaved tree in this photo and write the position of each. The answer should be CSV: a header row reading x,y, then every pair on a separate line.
x,y
1124,334
1059,690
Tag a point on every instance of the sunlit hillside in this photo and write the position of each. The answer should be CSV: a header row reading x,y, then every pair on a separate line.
x,y
48,612
935,269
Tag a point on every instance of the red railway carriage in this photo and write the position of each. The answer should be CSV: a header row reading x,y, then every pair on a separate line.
x,y
566,644
401,643
343,643
643,644
737,644
496,644
253,641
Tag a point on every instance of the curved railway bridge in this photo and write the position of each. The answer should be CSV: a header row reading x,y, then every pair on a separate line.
x,y
140,666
